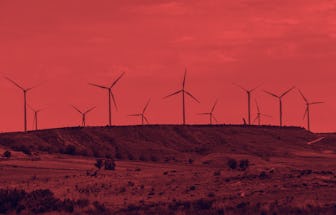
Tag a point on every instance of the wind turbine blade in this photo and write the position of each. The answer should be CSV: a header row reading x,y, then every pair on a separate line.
x,y
177,92
184,78
33,87
39,110
145,108
89,110
315,103
137,114
258,109
304,98
189,94
30,107
116,81
16,84
266,115
237,85
114,101
77,109
145,118
215,118
253,89
287,91
96,85
214,106
255,119
272,94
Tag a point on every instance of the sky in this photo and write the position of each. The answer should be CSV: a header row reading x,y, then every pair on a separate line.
x,y
63,45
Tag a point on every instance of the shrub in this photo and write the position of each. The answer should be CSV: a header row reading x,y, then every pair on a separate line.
x,y
142,158
109,156
203,204
99,163
7,154
263,175
118,154
43,201
154,158
244,164
70,150
23,148
109,164
130,157
232,163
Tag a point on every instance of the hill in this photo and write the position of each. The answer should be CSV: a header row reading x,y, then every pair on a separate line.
x,y
169,142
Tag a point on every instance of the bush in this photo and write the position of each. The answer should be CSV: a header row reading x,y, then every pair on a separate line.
x,y
23,148
109,164
43,201
118,155
7,154
154,158
130,157
99,163
232,163
70,150
203,204
244,164
142,158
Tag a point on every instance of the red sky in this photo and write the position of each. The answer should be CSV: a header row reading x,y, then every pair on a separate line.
x,y
67,43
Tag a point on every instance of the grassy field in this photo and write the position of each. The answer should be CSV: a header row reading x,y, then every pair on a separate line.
x,y
195,174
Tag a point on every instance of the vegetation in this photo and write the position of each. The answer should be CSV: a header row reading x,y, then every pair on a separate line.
x,y
244,164
99,163
232,163
44,201
70,150
7,154
107,163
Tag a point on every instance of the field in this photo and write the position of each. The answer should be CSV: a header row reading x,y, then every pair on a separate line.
x,y
171,170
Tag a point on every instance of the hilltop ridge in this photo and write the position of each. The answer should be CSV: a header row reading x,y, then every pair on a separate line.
x,y
167,142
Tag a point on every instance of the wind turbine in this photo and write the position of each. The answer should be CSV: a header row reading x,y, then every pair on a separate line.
x,y
25,91
184,93
142,114
248,92
211,115
83,114
259,114
110,95
307,111
280,100
35,121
